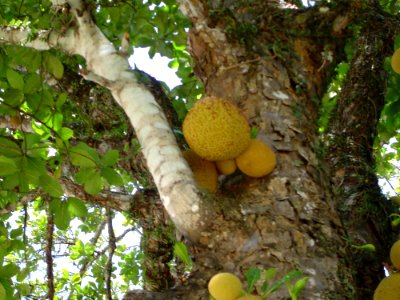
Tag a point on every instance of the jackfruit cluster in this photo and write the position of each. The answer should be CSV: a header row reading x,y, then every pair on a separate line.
x,y
389,287
217,132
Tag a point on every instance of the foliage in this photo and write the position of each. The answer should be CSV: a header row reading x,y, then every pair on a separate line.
x,y
254,277
62,146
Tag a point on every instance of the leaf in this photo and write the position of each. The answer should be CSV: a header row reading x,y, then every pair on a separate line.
x,y
299,286
77,207
7,285
112,177
13,97
65,133
54,66
84,174
181,251
3,294
51,186
33,83
62,216
94,184
83,156
7,166
110,158
15,80
252,276
9,270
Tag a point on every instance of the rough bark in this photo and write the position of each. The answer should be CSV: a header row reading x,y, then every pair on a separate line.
x,y
363,209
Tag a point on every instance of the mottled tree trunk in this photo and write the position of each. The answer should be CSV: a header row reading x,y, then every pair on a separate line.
x,y
274,64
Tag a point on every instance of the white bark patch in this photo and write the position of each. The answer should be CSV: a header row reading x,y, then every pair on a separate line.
x,y
170,171
280,95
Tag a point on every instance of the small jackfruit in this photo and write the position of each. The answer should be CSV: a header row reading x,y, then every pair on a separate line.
x,y
204,171
388,288
395,61
225,286
216,130
395,255
258,160
226,167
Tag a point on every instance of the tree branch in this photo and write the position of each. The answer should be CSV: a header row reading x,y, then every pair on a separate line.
x,y
111,250
49,257
172,175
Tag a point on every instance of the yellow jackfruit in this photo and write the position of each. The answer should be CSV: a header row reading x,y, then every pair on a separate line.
x,y
388,288
216,130
395,254
204,171
395,61
258,160
225,286
226,167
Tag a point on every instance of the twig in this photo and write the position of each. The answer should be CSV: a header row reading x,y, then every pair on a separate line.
x,y
49,257
111,250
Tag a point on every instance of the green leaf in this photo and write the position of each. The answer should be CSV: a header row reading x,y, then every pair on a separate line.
x,y
112,177
9,270
16,233
83,156
298,287
7,166
15,80
110,158
94,184
54,66
77,207
84,174
65,133
61,213
181,251
252,276
7,285
13,97
3,293
33,83
51,186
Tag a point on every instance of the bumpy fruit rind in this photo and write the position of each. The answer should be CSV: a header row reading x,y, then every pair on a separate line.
x,y
395,254
225,286
395,61
388,288
216,130
258,160
204,171
226,167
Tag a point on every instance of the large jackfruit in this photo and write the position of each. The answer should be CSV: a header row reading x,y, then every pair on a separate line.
x,y
216,130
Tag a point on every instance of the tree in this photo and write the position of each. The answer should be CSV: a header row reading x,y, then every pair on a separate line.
x,y
311,80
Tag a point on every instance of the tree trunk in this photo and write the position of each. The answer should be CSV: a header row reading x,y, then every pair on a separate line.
x,y
274,65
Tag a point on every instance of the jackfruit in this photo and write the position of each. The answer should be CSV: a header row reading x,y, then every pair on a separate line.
x,y
204,171
388,288
395,255
216,130
258,160
225,286
226,167
395,61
